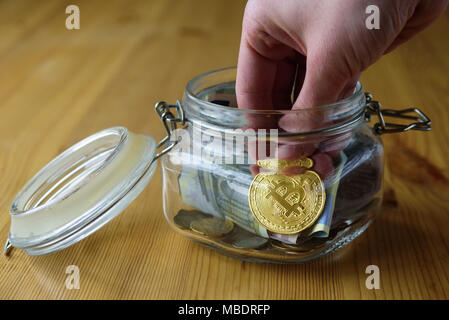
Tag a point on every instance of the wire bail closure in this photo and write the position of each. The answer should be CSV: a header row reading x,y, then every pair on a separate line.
x,y
421,121
8,247
170,122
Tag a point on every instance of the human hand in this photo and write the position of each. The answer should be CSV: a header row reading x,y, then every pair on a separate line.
x,y
324,44
316,51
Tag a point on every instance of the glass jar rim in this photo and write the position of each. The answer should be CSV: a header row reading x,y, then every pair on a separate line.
x,y
209,100
358,95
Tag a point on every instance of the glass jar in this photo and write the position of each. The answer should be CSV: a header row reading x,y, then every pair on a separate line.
x,y
281,186
223,169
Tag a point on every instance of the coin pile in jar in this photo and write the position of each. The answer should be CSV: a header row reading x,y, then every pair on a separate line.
x,y
208,225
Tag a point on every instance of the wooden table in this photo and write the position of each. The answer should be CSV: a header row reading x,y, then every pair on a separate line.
x,y
58,86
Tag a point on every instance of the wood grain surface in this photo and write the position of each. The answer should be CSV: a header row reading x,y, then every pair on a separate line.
x,y
58,86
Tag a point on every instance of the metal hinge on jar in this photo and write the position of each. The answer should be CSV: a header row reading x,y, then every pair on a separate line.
x,y
420,120
171,115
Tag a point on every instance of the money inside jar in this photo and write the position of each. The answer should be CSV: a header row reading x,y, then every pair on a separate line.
x,y
213,227
222,190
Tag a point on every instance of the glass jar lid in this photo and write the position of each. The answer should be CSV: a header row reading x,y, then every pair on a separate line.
x,y
81,190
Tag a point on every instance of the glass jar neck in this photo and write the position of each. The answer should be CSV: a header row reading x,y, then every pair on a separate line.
x,y
210,101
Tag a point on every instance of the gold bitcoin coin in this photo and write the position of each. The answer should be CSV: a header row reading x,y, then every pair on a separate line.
x,y
213,227
287,204
279,164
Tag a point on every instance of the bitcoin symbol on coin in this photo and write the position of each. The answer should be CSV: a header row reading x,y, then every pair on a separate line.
x,y
287,204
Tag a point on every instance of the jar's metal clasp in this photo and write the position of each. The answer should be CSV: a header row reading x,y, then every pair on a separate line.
x,y
420,120
171,115
8,247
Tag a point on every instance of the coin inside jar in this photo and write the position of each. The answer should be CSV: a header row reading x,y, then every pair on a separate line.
x,y
287,247
213,227
250,243
185,217
287,204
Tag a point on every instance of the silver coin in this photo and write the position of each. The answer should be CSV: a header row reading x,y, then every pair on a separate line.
x,y
184,218
249,243
213,227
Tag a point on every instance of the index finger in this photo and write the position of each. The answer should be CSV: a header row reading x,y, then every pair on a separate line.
x,y
264,82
